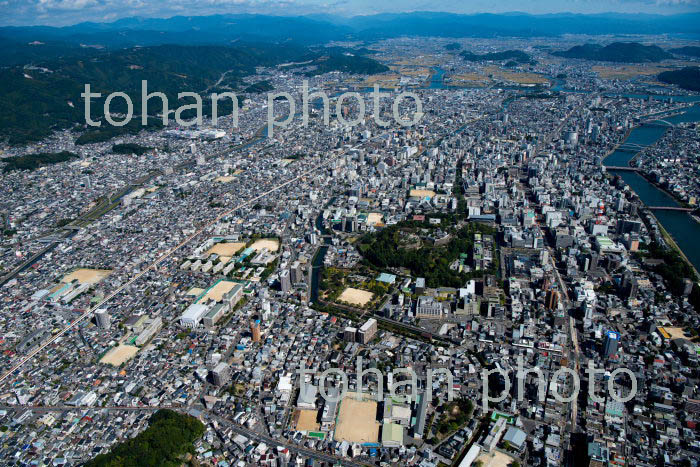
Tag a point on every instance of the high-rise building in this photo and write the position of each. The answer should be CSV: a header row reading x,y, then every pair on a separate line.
x,y
629,285
285,281
296,272
552,299
611,343
102,318
687,287
367,331
255,330
349,334
220,374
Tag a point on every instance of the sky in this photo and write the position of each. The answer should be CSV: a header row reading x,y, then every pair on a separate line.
x,y
66,12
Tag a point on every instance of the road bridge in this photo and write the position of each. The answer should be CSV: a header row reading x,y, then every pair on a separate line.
x,y
670,208
623,167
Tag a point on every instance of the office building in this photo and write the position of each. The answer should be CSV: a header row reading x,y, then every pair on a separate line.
x,y
611,343
285,281
428,307
349,334
255,330
552,299
367,331
102,318
220,374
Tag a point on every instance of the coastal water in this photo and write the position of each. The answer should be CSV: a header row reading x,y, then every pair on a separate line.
x,y
680,225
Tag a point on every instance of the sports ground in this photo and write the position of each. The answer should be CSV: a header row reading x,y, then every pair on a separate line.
x,y
357,421
355,296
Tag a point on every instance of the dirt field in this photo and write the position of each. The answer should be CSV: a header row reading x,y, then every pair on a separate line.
x,y
87,276
195,291
388,80
224,179
355,296
424,72
374,218
306,420
357,421
226,249
628,71
381,78
421,193
120,354
269,243
675,332
224,259
495,459
217,292
469,77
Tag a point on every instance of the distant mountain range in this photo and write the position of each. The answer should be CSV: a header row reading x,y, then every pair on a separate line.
x,y
226,29
209,53
630,52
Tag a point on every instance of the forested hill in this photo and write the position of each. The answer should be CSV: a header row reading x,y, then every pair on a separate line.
x,y
55,86
686,78
169,436
691,51
630,52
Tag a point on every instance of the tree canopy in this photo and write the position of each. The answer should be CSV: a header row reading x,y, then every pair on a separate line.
x,y
168,437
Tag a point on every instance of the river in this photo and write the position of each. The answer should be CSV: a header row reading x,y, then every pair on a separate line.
x,y
680,225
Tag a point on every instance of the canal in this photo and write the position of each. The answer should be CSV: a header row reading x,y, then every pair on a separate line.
x,y
317,262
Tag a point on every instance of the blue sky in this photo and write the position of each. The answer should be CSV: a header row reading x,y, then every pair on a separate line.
x,y
64,12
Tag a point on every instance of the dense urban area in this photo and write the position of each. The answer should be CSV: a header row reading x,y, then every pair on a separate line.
x,y
505,282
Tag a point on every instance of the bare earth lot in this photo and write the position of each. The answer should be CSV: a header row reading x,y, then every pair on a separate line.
x,y
495,459
226,249
306,420
422,193
87,276
355,296
357,421
217,292
269,243
119,354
